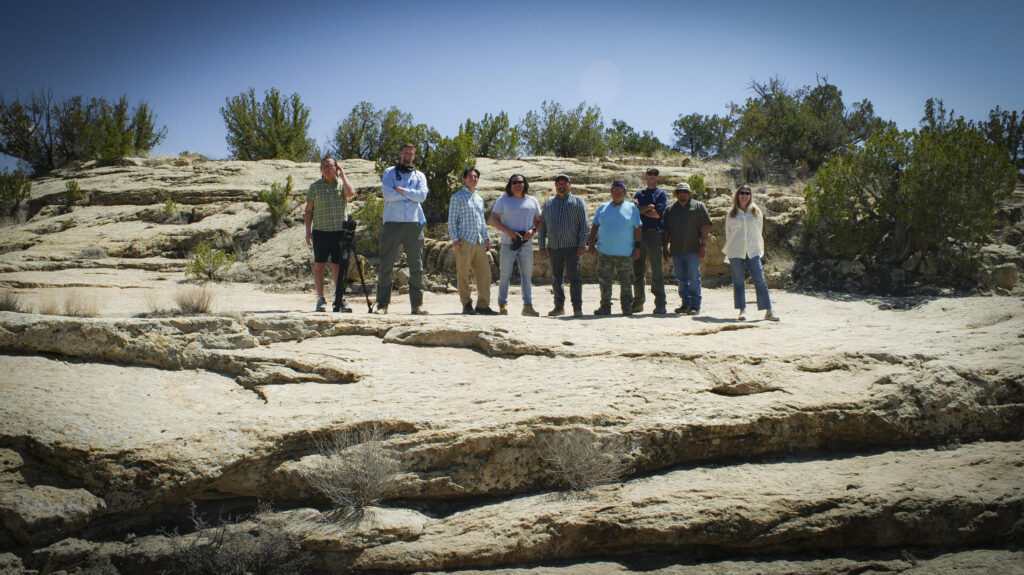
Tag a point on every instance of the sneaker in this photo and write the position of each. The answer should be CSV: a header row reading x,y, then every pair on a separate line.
x,y
529,311
682,309
342,306
576,312
503,308
486,310
467,309
743,315
660,310
693,311
638,307
418,310
770,316
382,309
559,310
603,310
321,304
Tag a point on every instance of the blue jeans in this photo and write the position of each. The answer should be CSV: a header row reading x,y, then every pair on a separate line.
x,y
523,257
687,269
740,267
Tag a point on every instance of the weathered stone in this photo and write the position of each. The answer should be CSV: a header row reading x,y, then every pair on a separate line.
x,y
42,512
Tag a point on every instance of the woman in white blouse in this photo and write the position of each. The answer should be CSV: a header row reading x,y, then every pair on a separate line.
x,y
744,246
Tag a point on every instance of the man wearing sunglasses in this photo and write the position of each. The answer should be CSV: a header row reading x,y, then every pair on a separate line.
x,y
652,202
326,201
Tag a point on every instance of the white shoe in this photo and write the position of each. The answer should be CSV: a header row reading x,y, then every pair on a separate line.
x,y
743,315
770,316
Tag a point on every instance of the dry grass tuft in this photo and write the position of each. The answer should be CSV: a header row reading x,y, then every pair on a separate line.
x,y
262,545
49,303
355,469
194,299
10,301
81,303
579,460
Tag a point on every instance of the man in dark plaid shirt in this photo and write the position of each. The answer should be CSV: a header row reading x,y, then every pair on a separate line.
x,y
563,234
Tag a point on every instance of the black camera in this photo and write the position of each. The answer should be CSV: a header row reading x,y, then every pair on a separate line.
x,y
517,242
348,231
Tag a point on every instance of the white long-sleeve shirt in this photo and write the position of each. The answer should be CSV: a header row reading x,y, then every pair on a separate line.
x,y
743,237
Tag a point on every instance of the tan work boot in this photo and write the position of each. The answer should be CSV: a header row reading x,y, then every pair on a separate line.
x,y
528,310
418,310
503,308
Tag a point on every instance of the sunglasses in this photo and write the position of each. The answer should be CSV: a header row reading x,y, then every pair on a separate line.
x,y
744,193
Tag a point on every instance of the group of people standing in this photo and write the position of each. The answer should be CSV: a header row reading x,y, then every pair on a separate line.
x,y
626,236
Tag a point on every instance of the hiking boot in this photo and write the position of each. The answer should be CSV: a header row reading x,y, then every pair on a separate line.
x,y
660,310
503,308
627,311
382,309
770,316
576,312
743,315
321,304
559,310
342,306
486,310
603,310
467,309
693,311
529,311
637,307
418,310
682,309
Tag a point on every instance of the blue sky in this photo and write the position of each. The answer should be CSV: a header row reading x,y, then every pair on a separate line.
x,y
642,62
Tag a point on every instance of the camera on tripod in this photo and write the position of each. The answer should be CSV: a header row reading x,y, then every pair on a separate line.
x,y
348,232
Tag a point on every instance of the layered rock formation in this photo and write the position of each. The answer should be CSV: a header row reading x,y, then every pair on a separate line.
x,y
859,434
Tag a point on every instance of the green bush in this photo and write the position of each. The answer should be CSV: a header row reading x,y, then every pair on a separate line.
x,y
622,139
67,224
273,128
48,134
697,185
371,134
14,188
932,191
493,136
208,263
72,193
441,159
562,132
370,218
277,199
800,128
704,136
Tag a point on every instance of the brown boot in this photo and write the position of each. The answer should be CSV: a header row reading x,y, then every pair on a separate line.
x,y
529,311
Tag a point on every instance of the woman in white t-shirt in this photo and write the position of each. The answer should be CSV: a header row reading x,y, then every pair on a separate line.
x,y
744,246
517,217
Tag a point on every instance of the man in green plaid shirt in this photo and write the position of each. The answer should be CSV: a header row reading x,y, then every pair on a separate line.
x,y
325,219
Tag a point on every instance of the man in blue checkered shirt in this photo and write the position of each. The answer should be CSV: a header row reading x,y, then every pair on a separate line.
x,y
563,235
467,227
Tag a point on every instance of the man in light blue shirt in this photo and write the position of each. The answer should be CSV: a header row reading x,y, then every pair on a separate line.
x,y
615,237
468,230
404,189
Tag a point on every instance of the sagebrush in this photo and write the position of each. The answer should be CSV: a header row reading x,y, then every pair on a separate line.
x,y
579,460
261,547
355,469
10,301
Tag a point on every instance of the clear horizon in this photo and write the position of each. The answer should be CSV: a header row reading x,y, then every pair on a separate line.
x,y
645,63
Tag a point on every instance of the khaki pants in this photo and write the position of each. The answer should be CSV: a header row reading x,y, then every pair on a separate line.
x,y
472,261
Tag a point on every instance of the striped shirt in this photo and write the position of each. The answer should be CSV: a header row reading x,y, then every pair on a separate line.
x,y
466,217
329,204
565,223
